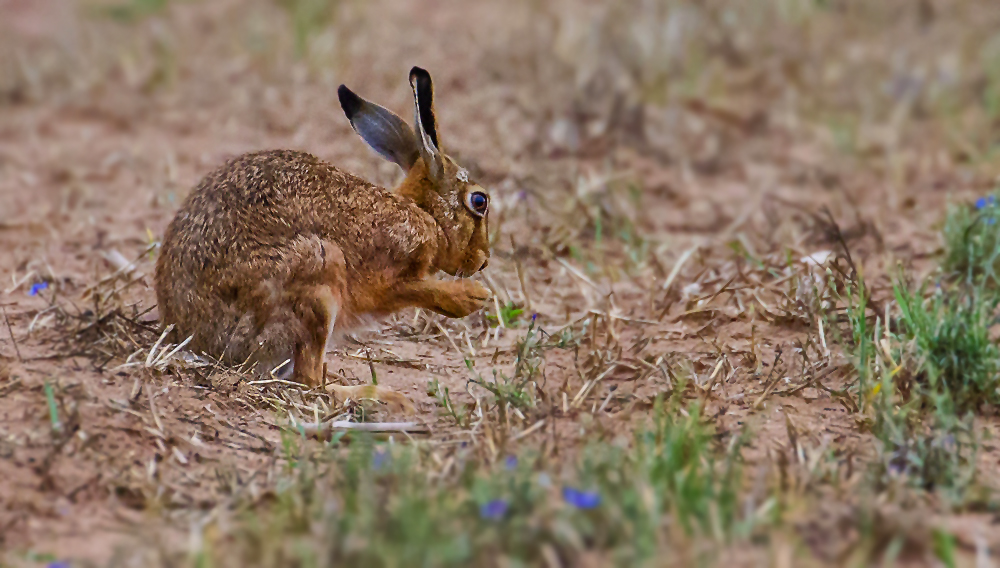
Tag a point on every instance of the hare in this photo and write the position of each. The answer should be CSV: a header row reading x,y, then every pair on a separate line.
x,y
276,251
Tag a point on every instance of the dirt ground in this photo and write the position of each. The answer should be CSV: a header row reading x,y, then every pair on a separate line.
x,y
640,216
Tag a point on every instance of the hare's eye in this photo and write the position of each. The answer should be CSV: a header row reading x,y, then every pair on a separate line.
x,y
477,202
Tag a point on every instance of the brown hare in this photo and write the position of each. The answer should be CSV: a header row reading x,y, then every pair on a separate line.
x,y
276,251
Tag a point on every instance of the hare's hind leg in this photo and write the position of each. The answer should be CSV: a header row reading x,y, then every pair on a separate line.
x,y
299,307
316,310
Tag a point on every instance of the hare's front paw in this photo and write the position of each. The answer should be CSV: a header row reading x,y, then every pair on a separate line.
x,y
465,298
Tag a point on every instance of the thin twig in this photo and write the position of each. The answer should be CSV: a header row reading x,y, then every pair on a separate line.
x,y
152,350
323,428
580,275
371,366
772,383
152,410
279,381
532,429
11,332
678,265
585,389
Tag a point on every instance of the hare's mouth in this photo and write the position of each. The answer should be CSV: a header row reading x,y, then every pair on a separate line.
x,y
466,272
470,265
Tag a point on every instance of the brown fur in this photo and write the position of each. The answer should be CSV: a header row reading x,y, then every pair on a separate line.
x,y
274,247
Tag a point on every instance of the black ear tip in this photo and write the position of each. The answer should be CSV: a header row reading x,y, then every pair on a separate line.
x,y
349,101
419,74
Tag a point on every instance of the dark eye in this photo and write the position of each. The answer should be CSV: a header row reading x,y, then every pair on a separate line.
x,y
477,202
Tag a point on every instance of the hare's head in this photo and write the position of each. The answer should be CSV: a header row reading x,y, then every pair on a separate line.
x,y
433,180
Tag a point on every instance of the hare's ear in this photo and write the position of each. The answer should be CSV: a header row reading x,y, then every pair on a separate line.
x,y
426,123
385,132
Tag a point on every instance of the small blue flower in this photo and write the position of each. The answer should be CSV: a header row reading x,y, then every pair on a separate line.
x,y
980,203
991,220
37,287
380,460
581,499
494,510
58,564
510,463
534,317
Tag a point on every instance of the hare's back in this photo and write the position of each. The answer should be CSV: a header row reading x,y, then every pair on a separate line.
x,y
254,203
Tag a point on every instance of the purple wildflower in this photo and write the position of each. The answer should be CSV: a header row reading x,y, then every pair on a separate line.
x,y
510,463
37,287
58,564
897,465
494,510
981,203
534,316
988,201
581,499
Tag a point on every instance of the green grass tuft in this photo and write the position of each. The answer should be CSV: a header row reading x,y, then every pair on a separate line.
x,y
935,452
957,362
972,241
377,505
508,315
670,476
921,381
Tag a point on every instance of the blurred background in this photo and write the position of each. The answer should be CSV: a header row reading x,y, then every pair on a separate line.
x,y
166,88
